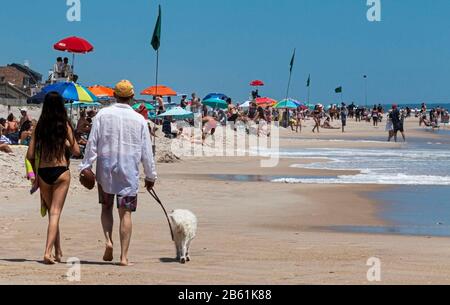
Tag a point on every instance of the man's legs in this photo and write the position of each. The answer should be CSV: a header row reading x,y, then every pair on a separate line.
x,y
126,228
107,224
107,219
403,135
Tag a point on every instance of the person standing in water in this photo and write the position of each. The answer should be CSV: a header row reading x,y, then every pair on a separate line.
x,y
51,146
397,122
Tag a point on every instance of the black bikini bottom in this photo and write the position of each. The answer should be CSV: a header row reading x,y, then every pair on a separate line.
x,y
50,174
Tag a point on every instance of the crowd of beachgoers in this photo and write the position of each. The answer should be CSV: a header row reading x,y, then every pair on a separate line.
x,y
18,130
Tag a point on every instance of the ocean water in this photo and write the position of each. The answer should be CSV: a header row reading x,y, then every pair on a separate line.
x,y
420,162
418,203
411,210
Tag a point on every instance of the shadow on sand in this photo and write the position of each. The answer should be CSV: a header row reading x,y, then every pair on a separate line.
x,y
167,260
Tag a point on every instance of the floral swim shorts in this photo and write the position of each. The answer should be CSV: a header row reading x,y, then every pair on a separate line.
x,y
123,202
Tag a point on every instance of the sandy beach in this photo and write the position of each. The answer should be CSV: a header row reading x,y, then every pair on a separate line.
x,y
250,232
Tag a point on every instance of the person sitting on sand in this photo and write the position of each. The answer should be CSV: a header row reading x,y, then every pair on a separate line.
x,y
168,128
26,131
50,148
119,143
327,124
2,124
12,129
25,117
4,141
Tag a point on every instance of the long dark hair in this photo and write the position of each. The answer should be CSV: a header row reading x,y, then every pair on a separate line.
x,y
51,130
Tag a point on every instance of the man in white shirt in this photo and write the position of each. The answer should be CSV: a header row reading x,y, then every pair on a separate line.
x,y
119,142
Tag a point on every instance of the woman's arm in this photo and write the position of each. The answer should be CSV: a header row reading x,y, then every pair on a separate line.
x,y
31,152
74,147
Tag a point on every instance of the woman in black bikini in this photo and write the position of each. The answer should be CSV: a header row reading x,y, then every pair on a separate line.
x,y
52,144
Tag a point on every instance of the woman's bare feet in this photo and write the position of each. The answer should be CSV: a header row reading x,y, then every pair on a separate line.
x,y
48,260
125,263
58,256
108,256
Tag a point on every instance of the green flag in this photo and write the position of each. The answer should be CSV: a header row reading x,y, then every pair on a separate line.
x,y
292,61
308,82
338,90
156,39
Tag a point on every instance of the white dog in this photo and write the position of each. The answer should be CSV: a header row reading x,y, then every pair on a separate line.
x,y
184,226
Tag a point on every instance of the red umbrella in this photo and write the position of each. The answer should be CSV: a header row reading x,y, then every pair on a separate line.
x,y
74,45
257,83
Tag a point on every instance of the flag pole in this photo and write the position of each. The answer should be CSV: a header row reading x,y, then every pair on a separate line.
x,y
289,84
309,88
157,71
309,95
156,42
290,74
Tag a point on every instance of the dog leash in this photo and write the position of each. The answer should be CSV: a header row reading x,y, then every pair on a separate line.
x,y
155,196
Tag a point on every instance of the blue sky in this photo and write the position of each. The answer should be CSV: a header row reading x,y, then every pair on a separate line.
x,y
221,45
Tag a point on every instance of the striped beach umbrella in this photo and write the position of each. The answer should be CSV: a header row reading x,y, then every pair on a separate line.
x,y
72,92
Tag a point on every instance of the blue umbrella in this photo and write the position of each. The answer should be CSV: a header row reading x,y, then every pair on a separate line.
x,y
177,113
37,99
220,96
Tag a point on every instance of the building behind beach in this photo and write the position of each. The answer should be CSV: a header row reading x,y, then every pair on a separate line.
x,y
18,82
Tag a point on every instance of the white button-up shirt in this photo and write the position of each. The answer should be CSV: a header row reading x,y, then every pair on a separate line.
x,y
119,142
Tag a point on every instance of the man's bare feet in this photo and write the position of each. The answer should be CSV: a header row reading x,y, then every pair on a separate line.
x,y
48,260
108,256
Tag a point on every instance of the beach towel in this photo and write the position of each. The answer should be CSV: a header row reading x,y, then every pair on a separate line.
x,y
33,172
5,140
